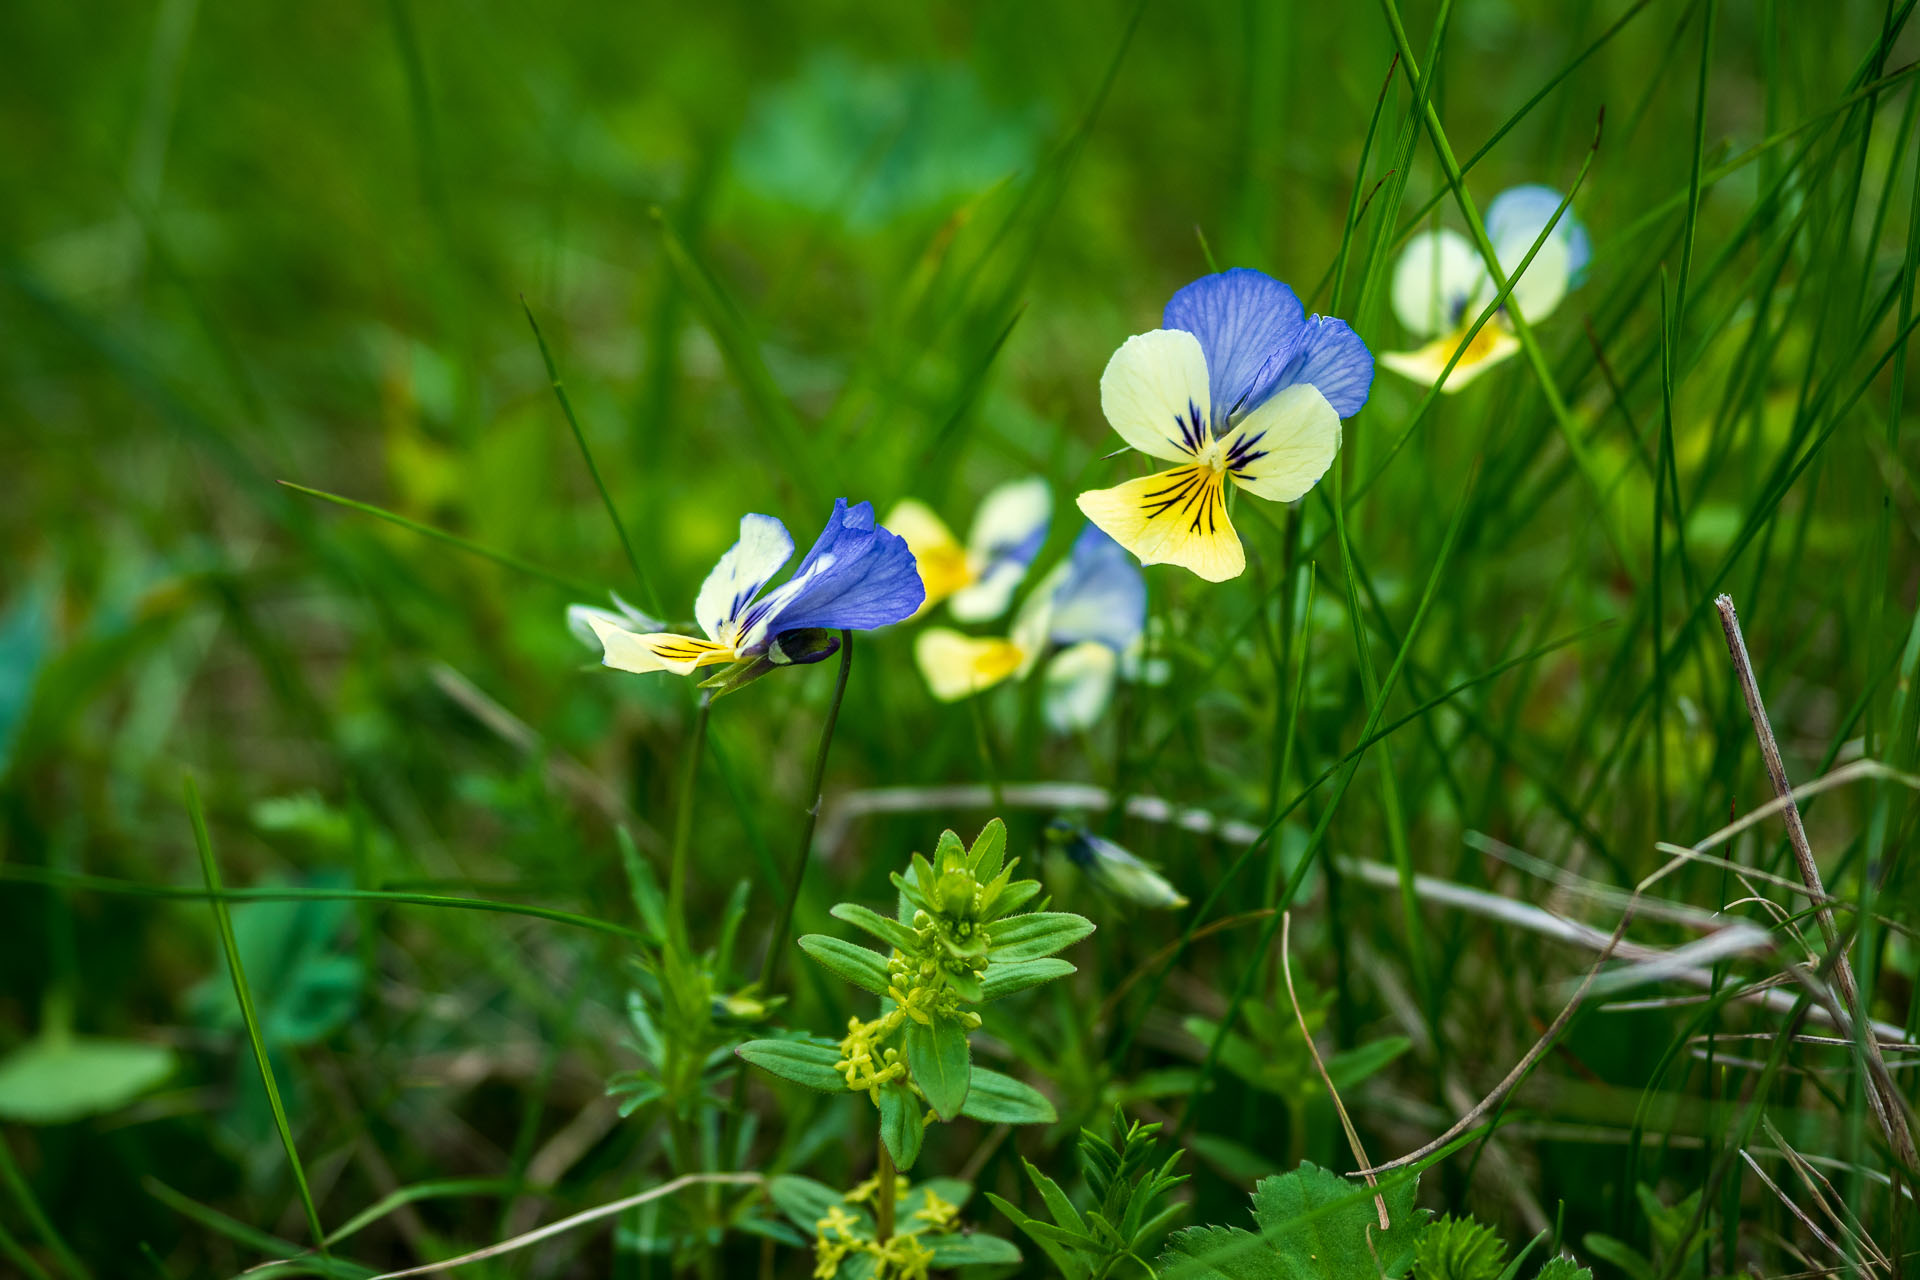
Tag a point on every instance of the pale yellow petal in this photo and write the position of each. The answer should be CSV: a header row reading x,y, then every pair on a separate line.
x,y
656,651
1154,392
957,666
1489,347
1175,517
942,560
1283,448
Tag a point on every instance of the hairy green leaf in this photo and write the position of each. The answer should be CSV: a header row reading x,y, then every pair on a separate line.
x,y
808,1062
848,961
1036,934
901,1124
937,1056
1003,979
999,1099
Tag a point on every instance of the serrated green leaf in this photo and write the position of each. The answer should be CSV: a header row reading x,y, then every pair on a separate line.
x,y
998,1099
848,961
938,1058
889,931
1314,1225
1036,934
970,1250
1459,1249
808,1062
901,1125
1561,1267
989,850
1004,978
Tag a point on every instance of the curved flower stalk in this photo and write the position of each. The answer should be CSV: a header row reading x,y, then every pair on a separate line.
x,y
858,576
1239,387
1441,283
1085,621
977,580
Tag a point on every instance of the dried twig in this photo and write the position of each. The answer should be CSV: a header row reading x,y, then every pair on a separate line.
x,y
1889,1107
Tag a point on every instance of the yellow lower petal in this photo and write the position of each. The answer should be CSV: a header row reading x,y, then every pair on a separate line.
x,y
658,650
1489,347
957,666
1175,517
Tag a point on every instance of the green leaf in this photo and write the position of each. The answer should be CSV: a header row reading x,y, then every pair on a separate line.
x,y
1354,1065
966,986
805,1202
1459,1249
808,1062
998,1099
305,984
1065,1260
889,931
989,850
1561,1267
848,961
55,1079
901,1125
949,847
1036,934
969,1250
24,632
1003,978
937,1056
1314,1225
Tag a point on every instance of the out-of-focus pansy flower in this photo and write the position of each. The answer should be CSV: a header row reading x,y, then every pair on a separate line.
x,y
858,576
1084,620
1240,386
1112,869
978,580
1441,284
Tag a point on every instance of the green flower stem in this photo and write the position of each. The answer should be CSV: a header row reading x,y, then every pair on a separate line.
x,y
683,829
883,1198
776,955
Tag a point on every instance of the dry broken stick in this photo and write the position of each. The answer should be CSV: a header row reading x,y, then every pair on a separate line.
x,y
1889,1107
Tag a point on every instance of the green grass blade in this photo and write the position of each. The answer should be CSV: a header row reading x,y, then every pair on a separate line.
x,y
244,994
500,558
647,595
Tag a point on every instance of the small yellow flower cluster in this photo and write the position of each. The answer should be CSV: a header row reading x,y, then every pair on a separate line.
x,y
938,1213
863,1062
901,1258
871,1188
921,1003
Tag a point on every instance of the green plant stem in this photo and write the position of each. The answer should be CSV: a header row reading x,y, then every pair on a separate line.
x,y
883,1198
683,828
771,964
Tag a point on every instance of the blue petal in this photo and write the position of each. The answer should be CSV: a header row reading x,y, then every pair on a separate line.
x,y
858,576
1524,212
1103,596
1333,361
1248,324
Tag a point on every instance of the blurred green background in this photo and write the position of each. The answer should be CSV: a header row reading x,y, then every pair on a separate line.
x,y
784,253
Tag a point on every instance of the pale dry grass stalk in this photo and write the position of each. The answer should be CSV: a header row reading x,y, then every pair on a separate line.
x,y
1889,1108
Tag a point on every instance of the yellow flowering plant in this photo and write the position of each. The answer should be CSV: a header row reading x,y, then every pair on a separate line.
x,y
959,939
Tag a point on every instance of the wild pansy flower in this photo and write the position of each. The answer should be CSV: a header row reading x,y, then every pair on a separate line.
x,y
1112,869
1085,619
1441,284
1240,386
858,576
978,580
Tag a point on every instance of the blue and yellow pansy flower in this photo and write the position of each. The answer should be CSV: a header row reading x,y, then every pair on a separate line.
x,y
1084,620
1441,284
858,576
1239,387
978,580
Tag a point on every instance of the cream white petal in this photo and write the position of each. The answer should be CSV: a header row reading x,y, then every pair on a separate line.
x,y
1154,392
1438,273
763,547
1283,448
1541,286
1077,686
